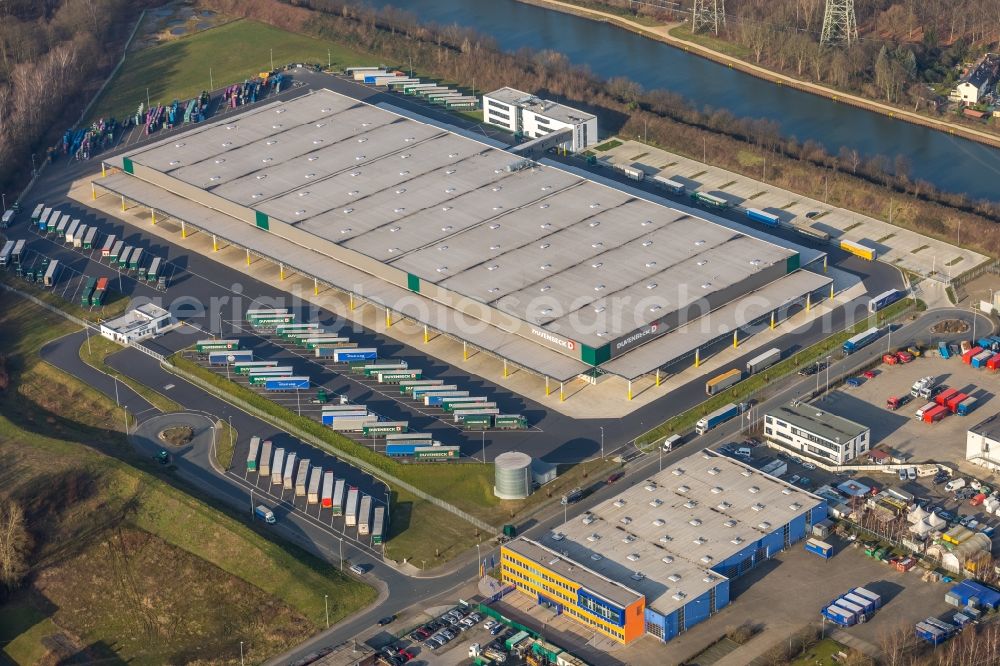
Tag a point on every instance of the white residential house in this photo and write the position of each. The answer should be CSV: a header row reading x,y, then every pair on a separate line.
x,y
532,117
807,429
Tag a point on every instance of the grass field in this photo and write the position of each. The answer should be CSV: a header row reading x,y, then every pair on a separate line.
x,y
126,566
233,52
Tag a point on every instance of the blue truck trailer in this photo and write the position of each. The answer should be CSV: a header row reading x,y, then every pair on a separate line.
x,y
286,383
349,355
884,299
767,219
720,415
860,340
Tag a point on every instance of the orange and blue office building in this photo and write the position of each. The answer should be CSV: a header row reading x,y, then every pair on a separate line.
x,y
658,558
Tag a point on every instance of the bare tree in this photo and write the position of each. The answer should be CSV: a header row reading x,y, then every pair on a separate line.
x,y
15,544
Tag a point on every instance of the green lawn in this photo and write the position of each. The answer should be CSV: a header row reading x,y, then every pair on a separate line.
x,y
234,52
114,541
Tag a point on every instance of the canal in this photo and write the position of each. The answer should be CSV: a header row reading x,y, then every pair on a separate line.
x,y
950,163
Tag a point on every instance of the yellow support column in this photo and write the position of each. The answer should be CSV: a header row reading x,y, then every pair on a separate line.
x,y
808,302
562,394
248,257
388,318
426,335
152,214
281,271
697,357
505,372
315,287
772,321
465,350
657,376
93,192
736,339
351,301
548,391
215,243
184,231
630,389
123,203
831,291
824,263
104,171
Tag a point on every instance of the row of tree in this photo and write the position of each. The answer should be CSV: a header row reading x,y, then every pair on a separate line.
x,y
50,52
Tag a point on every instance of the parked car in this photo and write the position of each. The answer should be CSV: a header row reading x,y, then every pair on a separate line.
x,y
432,643
793,479
902,474
854,382
911,473
496,630
869,374
489,624
359,569
808,465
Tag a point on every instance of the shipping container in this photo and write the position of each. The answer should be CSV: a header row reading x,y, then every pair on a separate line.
x,y
315,477
936,414
720,415
709,200
286,383
50,273
351,508
434,399
867,605
671,186
302,478
767,219
860,340
868,594
337,504
944,396
252,455
277,466
265,458
378,526
981,359
109,243
839,616
71,231
326,499
288,475
859,249
943,350
966,406
955,401
230,357
884,299
721,382
397,375
972,353
88,240
820,548
765,360
384,428
510,422
364,515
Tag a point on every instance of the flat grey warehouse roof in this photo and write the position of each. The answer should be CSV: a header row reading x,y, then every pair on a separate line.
x,y
813,419
674,527
539,244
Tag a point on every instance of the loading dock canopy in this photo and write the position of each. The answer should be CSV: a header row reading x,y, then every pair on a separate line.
x,y
518,350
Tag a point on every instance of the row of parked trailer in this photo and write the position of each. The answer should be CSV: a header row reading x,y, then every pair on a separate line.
x,y
853,608
265,374
317,486
947,401
74,232
399,81
984,354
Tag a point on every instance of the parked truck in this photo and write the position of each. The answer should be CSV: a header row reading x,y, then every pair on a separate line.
x,y
302,478
288,476
265,514
767,219
337,503
315,478
265,459
860,340
252,455
721,382
762,361
966,406
378,525
326,499
718,417
365,515
351,508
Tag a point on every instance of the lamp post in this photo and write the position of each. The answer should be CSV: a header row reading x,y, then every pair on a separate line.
x,y
602,442
272,60
827,387
241,653
34,171
326,603
479,559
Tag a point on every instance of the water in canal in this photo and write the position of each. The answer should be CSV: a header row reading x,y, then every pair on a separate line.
x,y
950,163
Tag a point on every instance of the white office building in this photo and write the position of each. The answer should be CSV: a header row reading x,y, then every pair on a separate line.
x,y
807,429
531,117
145,321
982,443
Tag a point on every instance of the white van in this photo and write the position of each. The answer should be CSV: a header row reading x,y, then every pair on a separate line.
x,y
954,484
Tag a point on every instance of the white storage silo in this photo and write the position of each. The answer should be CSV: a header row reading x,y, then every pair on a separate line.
x,y
513,475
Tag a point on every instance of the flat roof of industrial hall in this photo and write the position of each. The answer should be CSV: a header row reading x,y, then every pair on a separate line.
x,y
661,537
533,242
543,107
817,420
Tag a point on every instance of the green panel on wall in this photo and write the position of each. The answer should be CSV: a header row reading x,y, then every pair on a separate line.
x,y
127,165
595,356
413,282
262,222
792,263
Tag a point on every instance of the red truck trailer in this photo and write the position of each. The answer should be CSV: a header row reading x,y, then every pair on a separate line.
x,y
943,397
953,402
935,414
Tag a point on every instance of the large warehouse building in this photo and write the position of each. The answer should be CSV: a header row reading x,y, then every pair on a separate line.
x,y
547,270
658,559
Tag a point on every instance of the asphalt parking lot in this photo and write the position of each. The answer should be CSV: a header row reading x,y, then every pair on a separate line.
x,y
899,430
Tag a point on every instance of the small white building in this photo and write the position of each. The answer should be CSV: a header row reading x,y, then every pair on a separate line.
x,y
808,429
532,117
982,443
145,321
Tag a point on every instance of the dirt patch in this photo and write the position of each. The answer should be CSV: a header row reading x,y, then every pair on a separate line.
x,y
177,435
950,326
